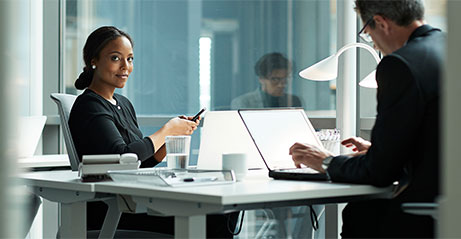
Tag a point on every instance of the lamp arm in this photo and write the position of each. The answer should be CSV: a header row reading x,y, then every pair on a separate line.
x,y
361,45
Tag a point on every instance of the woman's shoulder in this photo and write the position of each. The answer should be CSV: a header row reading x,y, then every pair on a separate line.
x,y
88,101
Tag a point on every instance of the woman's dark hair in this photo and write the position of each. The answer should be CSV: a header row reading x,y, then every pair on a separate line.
x,y
96,41
270,62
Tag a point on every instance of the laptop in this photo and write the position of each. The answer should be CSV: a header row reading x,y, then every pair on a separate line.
x,y
224,132
273,132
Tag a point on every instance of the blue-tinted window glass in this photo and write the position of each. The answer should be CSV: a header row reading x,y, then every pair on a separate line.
x,y
190,54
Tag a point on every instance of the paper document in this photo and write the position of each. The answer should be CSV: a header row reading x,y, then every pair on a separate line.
x,y
173,177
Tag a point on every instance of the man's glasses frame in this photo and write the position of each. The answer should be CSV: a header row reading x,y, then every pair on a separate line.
x,y
363,35
276,81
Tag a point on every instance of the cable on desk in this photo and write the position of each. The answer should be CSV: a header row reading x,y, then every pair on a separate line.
x,y
314,220
240,226
318,218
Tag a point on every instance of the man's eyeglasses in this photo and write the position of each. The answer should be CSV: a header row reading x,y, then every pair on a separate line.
x,y
363,35
276,80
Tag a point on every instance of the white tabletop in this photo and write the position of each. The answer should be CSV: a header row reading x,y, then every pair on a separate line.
x,y
44,161
59,179
189,205
256,187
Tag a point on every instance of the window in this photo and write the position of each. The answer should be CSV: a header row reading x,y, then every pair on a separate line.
x,y
190,53
29,79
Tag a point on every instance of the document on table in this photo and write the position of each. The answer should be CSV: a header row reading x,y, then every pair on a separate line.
x,y
173,177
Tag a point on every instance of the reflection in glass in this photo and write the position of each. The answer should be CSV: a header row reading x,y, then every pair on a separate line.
x,y
272,71
198,53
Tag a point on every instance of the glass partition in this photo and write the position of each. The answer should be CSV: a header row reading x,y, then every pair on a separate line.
x,y
190,54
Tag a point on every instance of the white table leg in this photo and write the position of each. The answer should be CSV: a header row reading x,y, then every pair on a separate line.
x,y
73,220
190,226
50,218
111,220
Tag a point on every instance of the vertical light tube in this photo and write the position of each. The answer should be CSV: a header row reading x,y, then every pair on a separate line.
x,y
205,71
346,100
36,56
194,25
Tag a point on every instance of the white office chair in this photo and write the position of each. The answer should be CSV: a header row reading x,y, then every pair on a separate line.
x,y
65,102
108,230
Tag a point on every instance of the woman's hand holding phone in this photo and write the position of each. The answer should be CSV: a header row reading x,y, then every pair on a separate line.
x,y
195,117
185,125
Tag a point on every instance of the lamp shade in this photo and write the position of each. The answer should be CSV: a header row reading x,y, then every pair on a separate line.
x,y
327,69
324,70
369,81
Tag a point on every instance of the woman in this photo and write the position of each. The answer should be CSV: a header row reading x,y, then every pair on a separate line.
x,y
103,122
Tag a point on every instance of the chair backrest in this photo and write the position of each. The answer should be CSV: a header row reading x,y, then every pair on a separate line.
x,y
65,102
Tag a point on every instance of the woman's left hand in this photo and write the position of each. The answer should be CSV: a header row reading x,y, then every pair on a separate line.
x,y
181,126
190,118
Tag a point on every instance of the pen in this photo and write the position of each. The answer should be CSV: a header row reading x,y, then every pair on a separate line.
x,y
200,179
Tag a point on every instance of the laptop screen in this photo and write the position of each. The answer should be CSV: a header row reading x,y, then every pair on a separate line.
x,y
275,131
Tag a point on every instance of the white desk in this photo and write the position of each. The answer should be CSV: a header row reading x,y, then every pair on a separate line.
x,y
65,188
46,227
190,205
45,161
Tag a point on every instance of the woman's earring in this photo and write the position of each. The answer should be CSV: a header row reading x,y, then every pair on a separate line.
x,y
93,67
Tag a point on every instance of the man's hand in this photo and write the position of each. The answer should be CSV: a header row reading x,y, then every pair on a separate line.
x,y
360,145
309,155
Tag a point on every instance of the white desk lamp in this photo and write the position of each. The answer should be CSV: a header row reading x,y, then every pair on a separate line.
x,y
327,69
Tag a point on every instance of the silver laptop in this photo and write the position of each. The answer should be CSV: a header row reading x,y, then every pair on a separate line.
x,y
273,132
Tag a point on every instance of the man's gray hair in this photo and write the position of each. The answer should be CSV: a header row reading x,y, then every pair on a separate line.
x,y
402,12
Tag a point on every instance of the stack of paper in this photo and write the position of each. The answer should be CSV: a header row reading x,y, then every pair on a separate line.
x,y
173,177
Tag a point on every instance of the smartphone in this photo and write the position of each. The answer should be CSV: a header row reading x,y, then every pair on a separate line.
x,y
198,114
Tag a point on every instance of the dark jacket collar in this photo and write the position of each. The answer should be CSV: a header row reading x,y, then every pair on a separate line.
x,y
422,30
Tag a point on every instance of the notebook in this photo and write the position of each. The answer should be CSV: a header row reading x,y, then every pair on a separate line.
x,y
273,132
30,131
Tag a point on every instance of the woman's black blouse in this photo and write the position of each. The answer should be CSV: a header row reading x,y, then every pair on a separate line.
x,y
99,127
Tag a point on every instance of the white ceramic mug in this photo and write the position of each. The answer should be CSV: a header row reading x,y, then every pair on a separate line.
x,y
236,162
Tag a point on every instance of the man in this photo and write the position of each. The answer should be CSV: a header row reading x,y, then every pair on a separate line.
x,y
272,70
405,138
